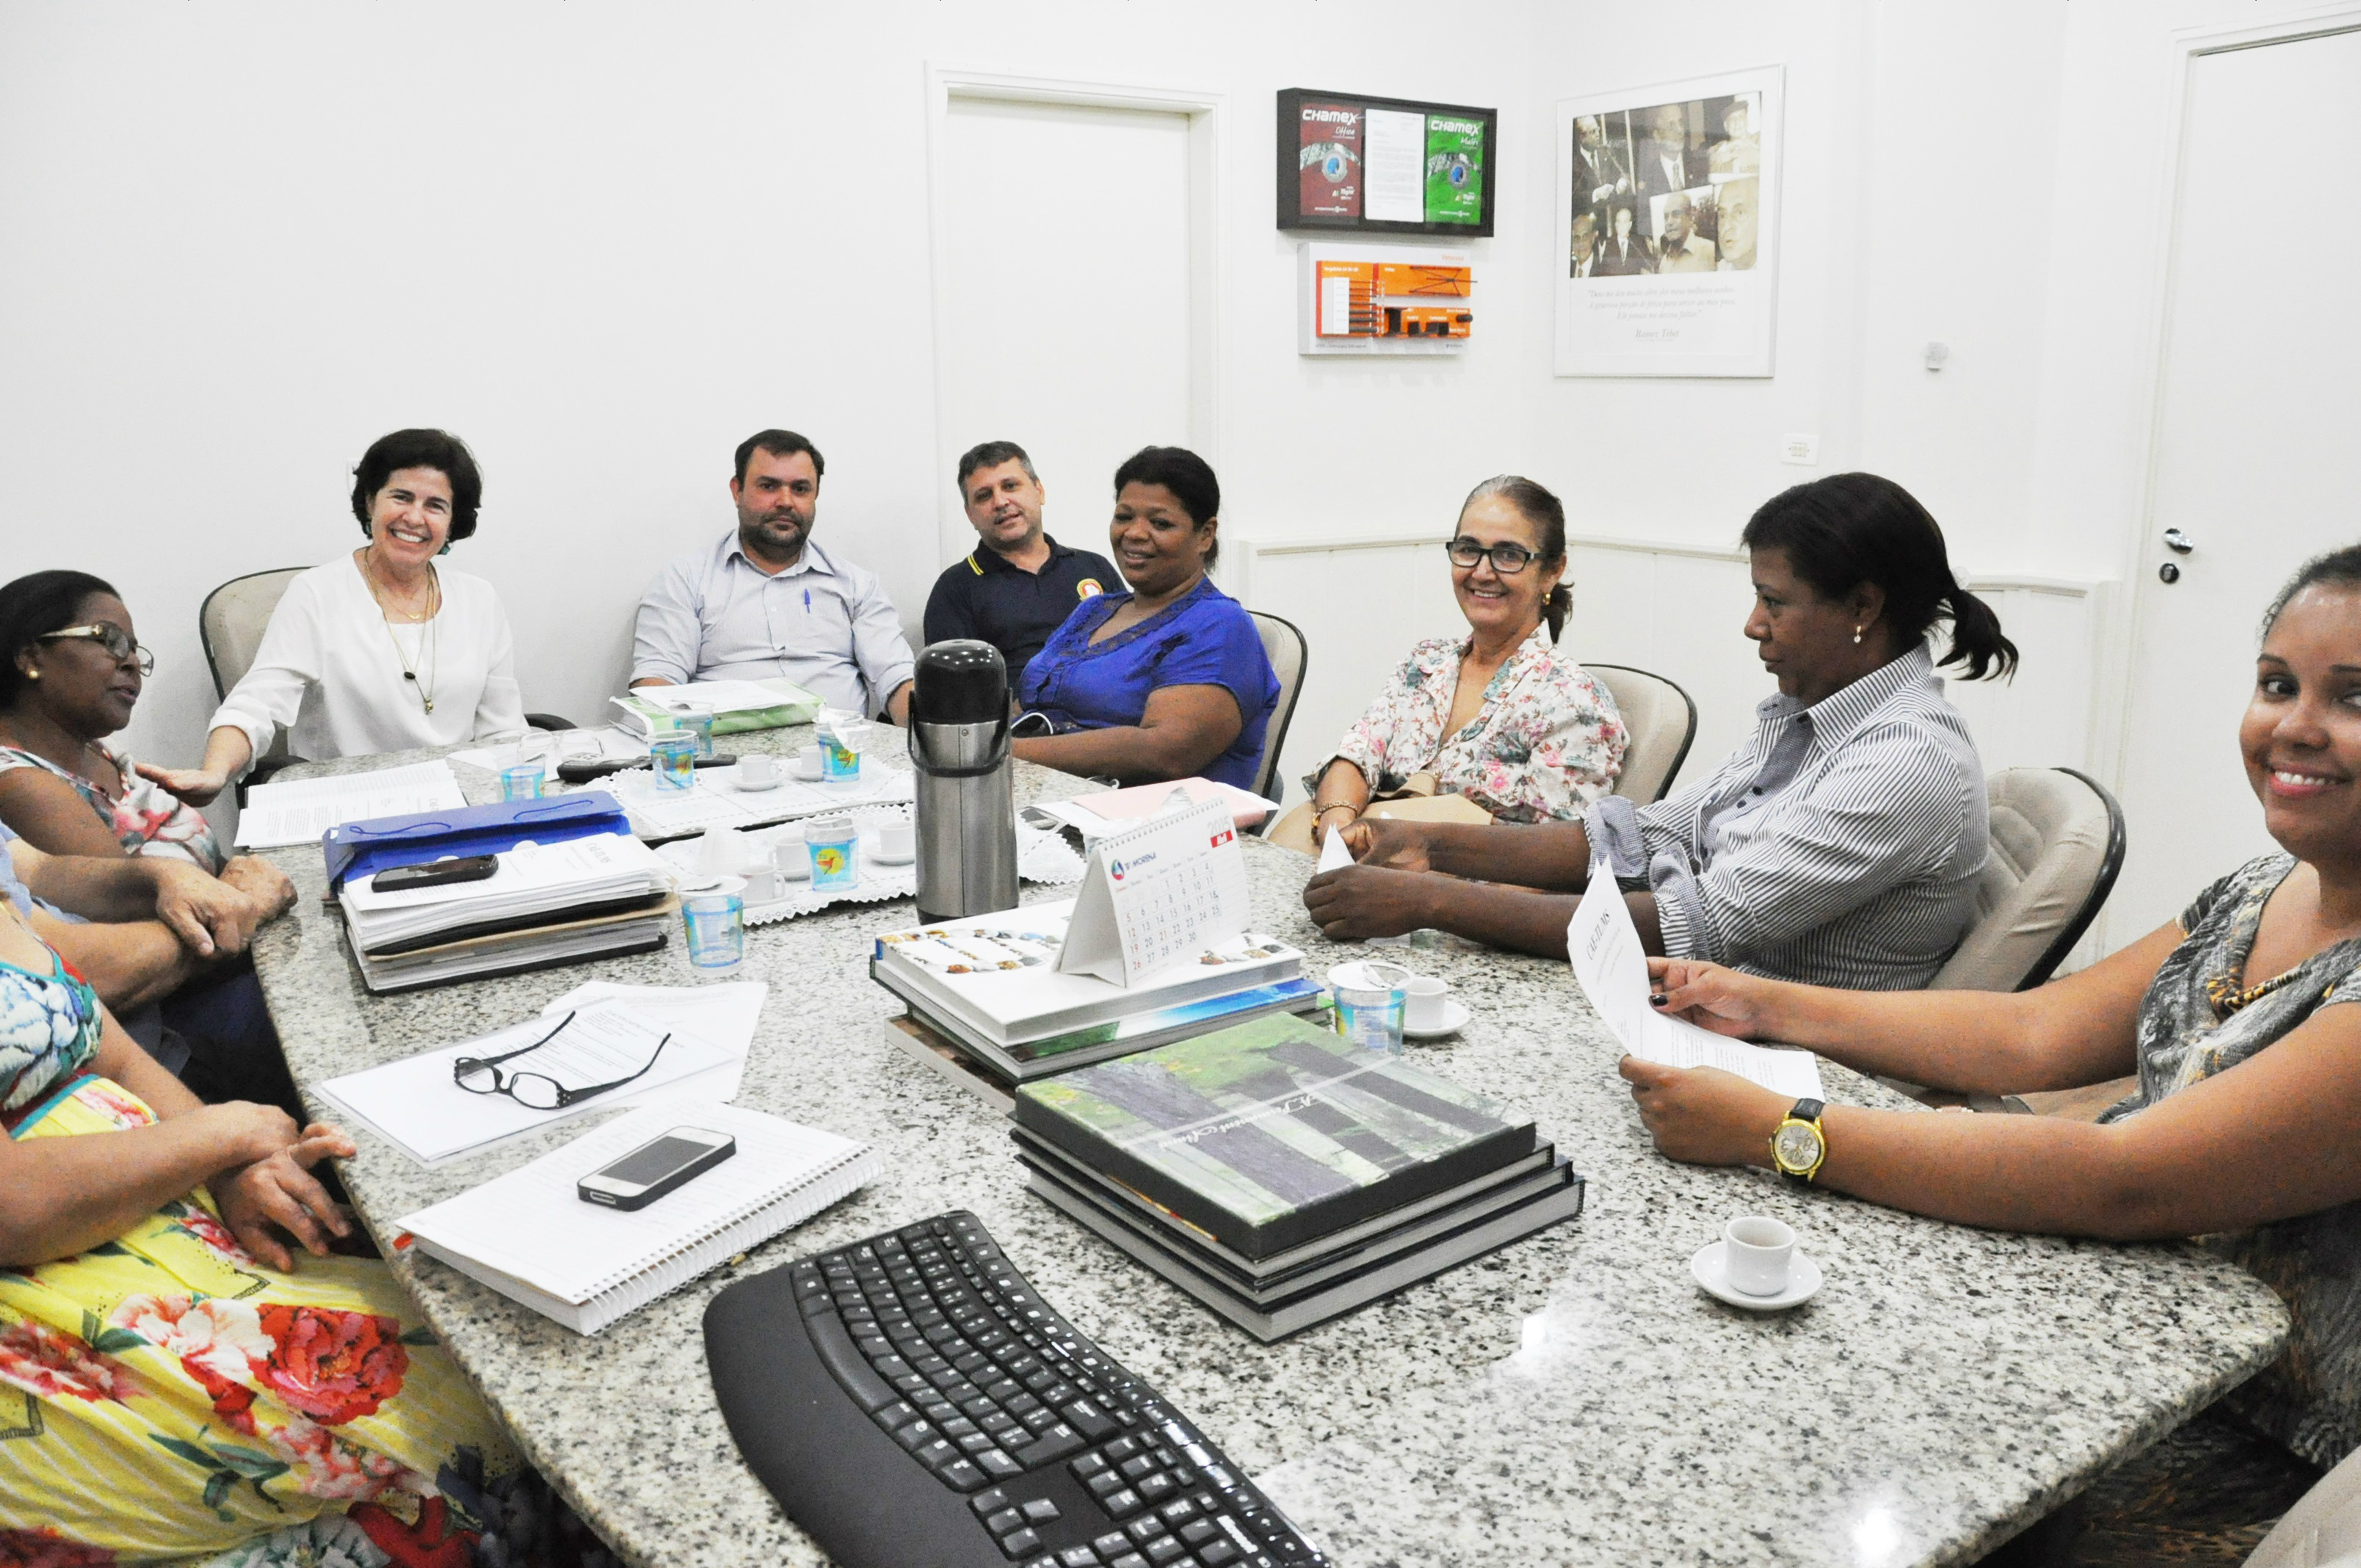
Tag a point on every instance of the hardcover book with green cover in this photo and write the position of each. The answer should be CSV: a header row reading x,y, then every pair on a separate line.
x,y
1273,1133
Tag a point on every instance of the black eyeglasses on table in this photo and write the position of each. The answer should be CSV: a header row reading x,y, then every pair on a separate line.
x,y
534,1091
1509,557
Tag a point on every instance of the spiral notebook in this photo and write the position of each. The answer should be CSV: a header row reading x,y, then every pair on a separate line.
x,y
528,1236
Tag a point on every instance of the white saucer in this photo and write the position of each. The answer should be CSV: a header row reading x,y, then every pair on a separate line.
x,y
754,788
883,859
1802,1279
1454,1019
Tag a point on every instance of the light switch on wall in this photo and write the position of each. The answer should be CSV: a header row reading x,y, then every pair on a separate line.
x,y
1797,446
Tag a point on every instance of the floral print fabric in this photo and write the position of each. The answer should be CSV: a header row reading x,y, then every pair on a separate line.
x,y
2310,1398
147,820
1545,745
165,1397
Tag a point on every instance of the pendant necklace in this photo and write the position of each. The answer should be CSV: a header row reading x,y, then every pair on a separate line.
x,y
429,642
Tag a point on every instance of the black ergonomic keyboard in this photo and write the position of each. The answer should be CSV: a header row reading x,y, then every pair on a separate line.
x,y
913,1403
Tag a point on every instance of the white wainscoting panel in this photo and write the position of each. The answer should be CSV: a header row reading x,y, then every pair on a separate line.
x,y
1678,610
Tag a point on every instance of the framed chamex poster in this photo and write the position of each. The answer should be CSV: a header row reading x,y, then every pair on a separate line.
x,y
1667,219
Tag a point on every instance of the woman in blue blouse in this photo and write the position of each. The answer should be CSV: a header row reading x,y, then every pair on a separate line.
x,y
1167,681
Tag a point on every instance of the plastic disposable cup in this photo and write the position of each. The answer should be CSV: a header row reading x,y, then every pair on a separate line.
x,y
522,781
676,760
835,846
1369,1003
720,853
1756,1253
838,761
699,728
716,920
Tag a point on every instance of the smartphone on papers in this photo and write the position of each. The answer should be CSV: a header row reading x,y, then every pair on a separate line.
x,y
656,1168
436,873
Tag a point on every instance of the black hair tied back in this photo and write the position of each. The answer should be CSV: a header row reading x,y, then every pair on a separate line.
x,y
1849,528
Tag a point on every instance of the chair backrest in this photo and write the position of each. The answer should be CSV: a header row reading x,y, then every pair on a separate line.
x,y
1283,645
230,622
1661,721
2323,1529
2057,844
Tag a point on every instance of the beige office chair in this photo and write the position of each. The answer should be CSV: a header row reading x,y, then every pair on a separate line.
x,y
1283,645
2057,844
230,624
1662,722
2323,1530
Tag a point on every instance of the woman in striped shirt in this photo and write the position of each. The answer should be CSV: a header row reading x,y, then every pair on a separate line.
x,y
1839,846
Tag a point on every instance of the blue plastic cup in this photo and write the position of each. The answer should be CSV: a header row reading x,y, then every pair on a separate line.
x,y
716,921
838,761
699,728
675,755
523,780
834,844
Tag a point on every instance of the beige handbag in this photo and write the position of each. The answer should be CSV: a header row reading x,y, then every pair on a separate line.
x,y
1416,800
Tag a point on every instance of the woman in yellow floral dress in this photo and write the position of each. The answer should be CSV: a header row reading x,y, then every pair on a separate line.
x,y
173,1386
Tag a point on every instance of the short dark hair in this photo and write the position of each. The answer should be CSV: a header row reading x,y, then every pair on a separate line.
x,y
30,609
1188,477
1851,529
991,455
436,449
2337,568
1536,505
778,444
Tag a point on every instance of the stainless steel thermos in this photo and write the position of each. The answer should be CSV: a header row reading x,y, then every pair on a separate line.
x,y
966,800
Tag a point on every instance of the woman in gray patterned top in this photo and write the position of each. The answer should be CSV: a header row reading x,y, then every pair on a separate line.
x,y
2241,1130
1841,845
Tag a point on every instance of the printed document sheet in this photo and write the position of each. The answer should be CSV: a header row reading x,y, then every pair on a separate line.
x,y
299,810
1613,969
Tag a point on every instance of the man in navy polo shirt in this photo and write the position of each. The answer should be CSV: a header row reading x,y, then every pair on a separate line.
x,y
1018,585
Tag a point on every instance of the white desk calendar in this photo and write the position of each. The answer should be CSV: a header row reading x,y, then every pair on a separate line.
x,y
1159,893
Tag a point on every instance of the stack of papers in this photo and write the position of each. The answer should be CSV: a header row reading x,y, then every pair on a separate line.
x,y
529,1236
1113,811
299,810
607,743
414,1104
1604,947
732,705
547,903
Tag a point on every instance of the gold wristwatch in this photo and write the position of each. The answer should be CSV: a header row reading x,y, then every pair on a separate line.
x,y
1798,1144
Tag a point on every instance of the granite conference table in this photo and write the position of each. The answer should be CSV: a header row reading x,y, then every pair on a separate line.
x,y
1573,1399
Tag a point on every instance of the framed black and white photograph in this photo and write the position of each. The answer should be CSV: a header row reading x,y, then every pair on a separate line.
x,y
1666,199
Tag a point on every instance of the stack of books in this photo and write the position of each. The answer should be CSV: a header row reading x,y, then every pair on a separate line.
x,y
1282,1174
544,904
990,1011
733,706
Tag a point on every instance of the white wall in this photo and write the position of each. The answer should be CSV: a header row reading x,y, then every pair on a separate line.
x,y
603,241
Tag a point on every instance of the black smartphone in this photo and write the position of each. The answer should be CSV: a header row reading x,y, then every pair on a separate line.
x,y
656,1168
436,873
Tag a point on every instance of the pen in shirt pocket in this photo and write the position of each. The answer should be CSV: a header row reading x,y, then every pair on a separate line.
x,y
807,601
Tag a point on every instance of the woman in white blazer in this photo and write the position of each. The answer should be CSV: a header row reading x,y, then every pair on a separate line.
x,y
381,650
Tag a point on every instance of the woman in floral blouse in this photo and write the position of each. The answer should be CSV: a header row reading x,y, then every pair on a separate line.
x,y
1499,715
171,1387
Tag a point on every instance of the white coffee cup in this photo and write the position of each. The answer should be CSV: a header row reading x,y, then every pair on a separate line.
x,y
1424,999
898,841
1756,1253
762,881
788,856
807,763
720,853
758,772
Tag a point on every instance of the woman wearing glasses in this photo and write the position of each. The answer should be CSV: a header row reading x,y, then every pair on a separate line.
x,y
1839,846
1166,681
178,1385
1498,715
70,672
381,650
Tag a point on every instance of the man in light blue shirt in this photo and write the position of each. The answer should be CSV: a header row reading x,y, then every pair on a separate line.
x,y
768,602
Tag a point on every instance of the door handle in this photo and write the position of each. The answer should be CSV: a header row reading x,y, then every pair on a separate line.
x,y
2179,543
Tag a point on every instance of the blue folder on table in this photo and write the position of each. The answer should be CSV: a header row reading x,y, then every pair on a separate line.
x,y
362,849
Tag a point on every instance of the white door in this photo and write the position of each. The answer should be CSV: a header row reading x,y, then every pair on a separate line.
x,y
2258,464
1066,252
